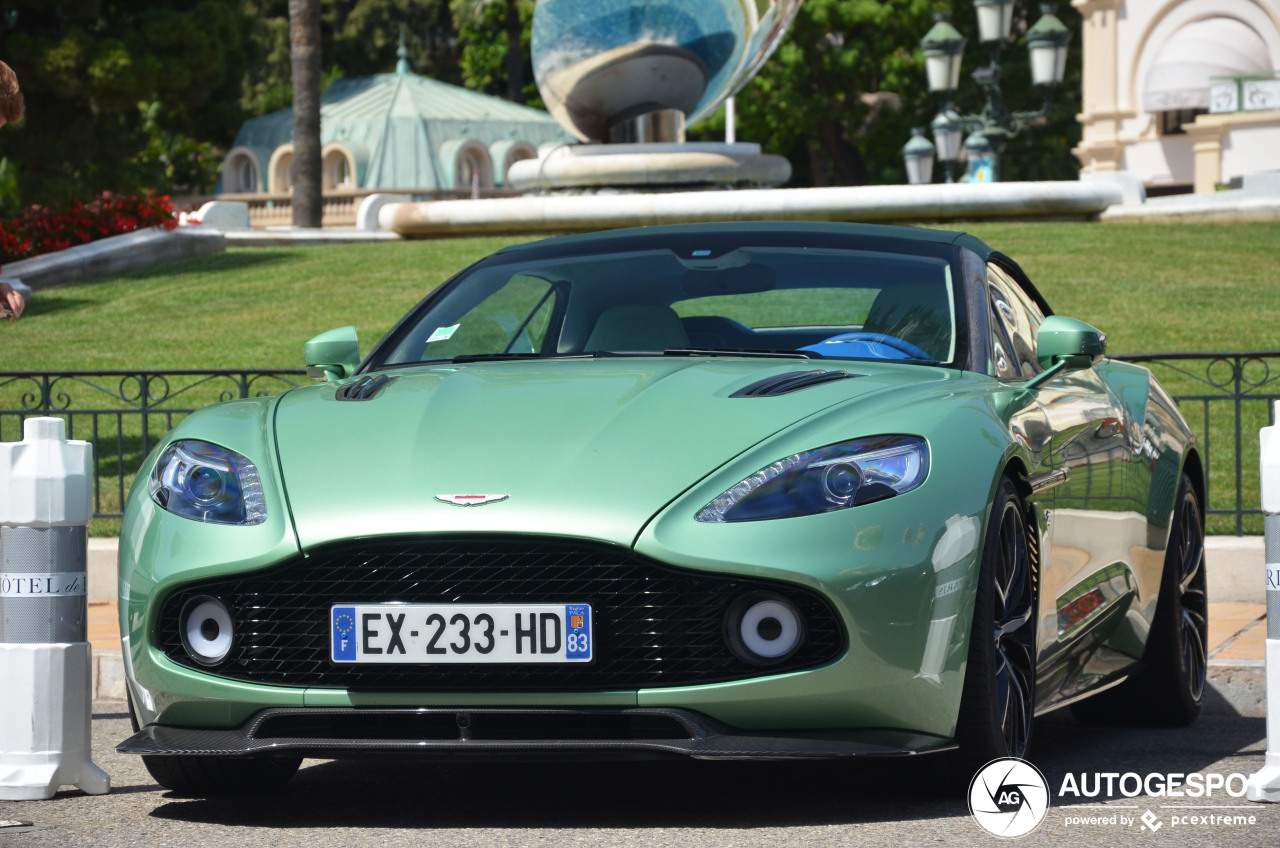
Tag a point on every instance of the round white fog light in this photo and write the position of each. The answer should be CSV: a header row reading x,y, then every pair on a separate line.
x,y
764,628
206,630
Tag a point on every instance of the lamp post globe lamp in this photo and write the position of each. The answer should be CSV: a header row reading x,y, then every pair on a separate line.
x,y
995,20
981,155
977,145
943,47
917,154
1047,45
948,133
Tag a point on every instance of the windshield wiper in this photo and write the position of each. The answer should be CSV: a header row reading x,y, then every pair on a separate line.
x,y
492,357
773,354
601,354
479,357
386,366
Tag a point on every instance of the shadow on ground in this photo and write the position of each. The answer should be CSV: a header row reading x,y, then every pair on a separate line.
x,y
685,793
214,263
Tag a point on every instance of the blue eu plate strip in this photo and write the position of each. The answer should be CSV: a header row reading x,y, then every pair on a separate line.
x,y
344,634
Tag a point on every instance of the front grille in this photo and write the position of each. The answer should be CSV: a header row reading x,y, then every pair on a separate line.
x,y
653,625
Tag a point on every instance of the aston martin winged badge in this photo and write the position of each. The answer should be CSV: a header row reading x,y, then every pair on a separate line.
x,y
471,500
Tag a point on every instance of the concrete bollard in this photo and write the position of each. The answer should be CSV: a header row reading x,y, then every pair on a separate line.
x,y
1265,784
45,706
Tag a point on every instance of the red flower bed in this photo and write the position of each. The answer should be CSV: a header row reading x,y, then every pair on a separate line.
x,y
40,230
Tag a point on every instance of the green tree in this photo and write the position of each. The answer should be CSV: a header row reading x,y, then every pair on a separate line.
x,y
844,75
494,38
365,36
121,94
357,38
842,92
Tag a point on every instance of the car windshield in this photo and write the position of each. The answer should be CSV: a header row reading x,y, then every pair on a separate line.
x,y
797,301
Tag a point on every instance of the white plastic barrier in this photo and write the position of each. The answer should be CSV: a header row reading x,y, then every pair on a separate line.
x,y
45,702
1265,785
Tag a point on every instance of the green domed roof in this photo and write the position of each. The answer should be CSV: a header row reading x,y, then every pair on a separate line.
x,y
403,130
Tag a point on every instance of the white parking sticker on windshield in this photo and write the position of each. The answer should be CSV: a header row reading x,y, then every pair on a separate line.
x,y
442,333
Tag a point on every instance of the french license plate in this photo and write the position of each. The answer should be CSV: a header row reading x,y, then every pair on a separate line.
x,y
460,633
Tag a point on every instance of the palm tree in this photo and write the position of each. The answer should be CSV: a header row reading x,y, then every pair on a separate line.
x,y
304,51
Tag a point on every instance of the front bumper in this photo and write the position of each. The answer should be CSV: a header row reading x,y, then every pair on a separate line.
x,y
422,733
893,657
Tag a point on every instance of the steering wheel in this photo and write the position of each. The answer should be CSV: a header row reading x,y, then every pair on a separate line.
x,y
902,346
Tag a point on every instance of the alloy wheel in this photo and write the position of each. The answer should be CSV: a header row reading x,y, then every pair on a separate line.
x,y
1015,671
1192,598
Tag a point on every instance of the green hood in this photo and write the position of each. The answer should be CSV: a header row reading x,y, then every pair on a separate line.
x,y
588,448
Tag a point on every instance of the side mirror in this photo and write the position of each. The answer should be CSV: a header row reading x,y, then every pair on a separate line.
x,y
332,355
1069,344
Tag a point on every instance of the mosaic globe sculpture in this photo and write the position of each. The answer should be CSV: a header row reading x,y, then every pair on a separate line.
x,y
640,70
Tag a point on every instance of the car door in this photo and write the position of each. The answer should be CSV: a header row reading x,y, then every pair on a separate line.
x,y
1080,486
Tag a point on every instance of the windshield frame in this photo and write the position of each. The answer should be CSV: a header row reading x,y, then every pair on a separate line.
x,y
713,241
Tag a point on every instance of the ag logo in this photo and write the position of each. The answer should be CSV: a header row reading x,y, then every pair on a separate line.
x,y
1008,797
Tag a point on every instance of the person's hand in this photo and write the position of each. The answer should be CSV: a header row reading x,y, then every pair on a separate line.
x,y
12,301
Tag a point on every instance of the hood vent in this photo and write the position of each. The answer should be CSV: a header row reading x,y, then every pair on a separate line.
x,y
365,388
792,381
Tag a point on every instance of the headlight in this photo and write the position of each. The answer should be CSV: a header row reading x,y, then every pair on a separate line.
x,y
837,476
209,483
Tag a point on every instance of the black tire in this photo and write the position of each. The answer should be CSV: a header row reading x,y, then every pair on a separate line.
x,y
211,776
997,706
1169,689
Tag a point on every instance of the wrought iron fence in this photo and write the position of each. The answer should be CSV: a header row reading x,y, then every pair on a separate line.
x,y
124,413
1226,397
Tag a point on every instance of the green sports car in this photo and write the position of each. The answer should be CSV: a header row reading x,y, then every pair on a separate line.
x,y
724,491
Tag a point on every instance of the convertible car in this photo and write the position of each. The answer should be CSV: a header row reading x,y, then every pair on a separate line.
x,y
771,490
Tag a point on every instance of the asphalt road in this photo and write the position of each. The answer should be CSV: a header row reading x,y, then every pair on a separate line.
x,y
669,803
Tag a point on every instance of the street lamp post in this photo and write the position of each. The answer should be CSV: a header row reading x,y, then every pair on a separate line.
x,y
948,134
918,154
943,48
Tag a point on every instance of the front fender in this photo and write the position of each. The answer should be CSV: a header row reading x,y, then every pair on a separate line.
x,y
160,550
901,573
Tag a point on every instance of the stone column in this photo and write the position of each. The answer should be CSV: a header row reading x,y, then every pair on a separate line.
x,y
1099,149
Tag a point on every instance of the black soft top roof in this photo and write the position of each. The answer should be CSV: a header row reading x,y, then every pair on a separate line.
x,y
815,233
639,236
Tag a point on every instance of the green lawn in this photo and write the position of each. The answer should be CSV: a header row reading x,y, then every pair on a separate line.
x,y
1155,288
246,308
1150,288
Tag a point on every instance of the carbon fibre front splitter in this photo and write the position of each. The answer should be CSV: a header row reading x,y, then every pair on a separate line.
x,y
344,733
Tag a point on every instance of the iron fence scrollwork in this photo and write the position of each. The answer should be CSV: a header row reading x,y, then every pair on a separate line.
x,y
124,413
1225,397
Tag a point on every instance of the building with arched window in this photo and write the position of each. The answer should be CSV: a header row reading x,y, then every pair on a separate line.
x,y
1183,94
394,132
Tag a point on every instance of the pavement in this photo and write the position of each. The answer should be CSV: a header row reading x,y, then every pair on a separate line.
x,y
659,804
